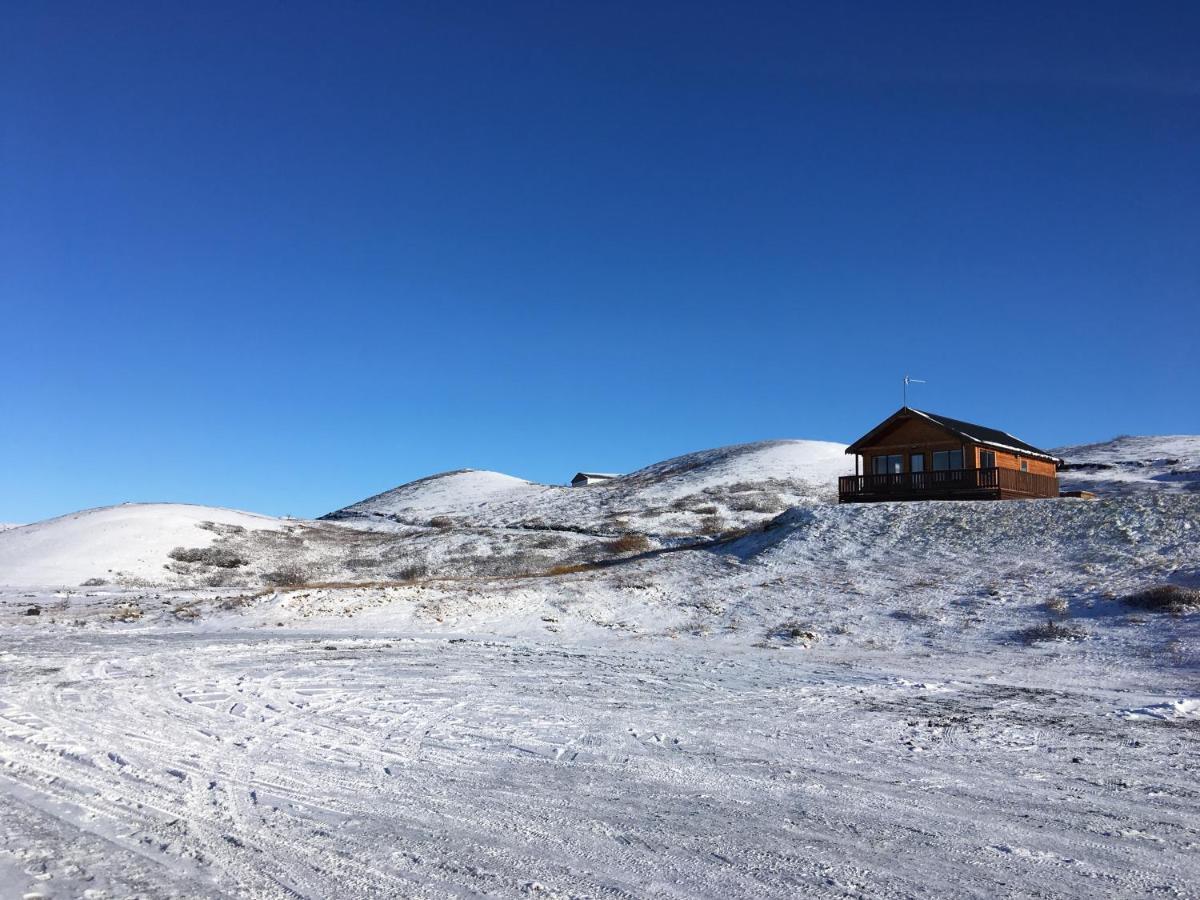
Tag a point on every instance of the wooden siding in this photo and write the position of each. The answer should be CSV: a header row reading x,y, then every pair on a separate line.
x,y
912,431
1013,461
916,434
909,435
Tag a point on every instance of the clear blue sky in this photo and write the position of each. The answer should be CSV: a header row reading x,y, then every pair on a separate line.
x,y
280,256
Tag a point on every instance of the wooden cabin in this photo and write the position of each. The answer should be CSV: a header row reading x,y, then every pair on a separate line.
x,y
916,455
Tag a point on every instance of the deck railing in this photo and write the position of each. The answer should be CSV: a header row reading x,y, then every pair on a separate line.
x,y
947,483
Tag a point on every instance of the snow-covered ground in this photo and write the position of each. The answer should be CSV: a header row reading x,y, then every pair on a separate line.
x,y
726,487
1168,462
890,700
130,542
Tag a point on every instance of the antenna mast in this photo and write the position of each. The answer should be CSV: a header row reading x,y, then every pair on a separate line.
x,y
908,379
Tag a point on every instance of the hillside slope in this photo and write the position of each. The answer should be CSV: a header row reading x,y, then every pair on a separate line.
x,y
112,543
709,490
1131,464
939,699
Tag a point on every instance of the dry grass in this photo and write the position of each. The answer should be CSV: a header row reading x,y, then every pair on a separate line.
x,y
629,543
215,555
571,569
1168,598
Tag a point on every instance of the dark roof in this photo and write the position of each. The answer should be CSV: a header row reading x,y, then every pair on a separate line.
x,y
979,434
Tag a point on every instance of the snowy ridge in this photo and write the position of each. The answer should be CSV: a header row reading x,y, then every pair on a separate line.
x,y
889,700
129,542
665,499
446,493
1129,463
817,463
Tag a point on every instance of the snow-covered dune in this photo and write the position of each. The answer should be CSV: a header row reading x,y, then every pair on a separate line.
x,y
1130,464
727,486
817,463
129,542
447,493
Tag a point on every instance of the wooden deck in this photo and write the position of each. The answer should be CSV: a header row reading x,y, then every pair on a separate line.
x,y
948,484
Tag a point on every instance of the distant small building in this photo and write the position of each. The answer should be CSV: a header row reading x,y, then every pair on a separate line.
x,y
583,479
915,455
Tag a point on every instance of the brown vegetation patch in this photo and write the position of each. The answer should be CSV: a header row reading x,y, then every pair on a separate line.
x,y
1168,598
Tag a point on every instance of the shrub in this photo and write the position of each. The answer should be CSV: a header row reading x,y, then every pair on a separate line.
x,y
221,528
1169,598
794,631
187,611
762,503
1052,631
629,543
411,572
441,522
222,557
711,525
94,582
291,575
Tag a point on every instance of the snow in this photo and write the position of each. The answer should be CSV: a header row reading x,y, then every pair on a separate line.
x,y
666,496
848,701
1175,710
449,493
131,540
1124,464
818,463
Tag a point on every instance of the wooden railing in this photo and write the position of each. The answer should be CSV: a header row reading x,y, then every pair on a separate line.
x,y
1028,483
946,483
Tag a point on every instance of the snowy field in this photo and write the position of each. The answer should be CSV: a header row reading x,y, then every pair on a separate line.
x,y
894,700
264,765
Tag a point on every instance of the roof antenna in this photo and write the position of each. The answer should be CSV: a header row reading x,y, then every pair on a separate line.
x,y
908,379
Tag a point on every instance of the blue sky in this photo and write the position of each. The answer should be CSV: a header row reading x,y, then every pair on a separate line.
x,y
280,256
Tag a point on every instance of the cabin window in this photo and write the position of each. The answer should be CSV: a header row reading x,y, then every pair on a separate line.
x,y
1024,465
889,465
947,459
916,462
987,459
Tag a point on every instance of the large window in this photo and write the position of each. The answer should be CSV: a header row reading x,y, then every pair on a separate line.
x,y
888,465
916,462
987,459
947,459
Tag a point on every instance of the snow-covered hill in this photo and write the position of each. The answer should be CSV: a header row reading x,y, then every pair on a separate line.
x,y
938,699
115,543
710,490
473,523
1131,464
